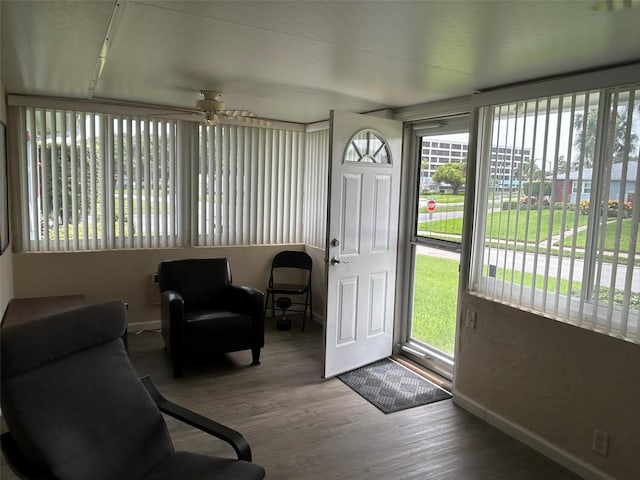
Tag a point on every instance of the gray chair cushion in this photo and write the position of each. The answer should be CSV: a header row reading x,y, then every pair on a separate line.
x,y
28,345
68,412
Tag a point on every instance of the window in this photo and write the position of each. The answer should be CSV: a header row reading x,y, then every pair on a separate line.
x,y
567,253
249,186
367,146
96,181
316,186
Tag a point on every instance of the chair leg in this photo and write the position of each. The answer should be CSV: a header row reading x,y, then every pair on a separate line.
x,y
177,367
176,353
273,305
308,300
266,302
304,315
255,355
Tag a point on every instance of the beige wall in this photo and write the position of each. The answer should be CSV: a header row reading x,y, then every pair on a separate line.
x,y
126,274
557,381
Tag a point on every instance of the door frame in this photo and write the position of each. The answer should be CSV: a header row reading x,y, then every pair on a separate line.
x,y
409,204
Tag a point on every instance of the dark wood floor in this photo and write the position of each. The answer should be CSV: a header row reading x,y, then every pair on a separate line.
x,y
303,427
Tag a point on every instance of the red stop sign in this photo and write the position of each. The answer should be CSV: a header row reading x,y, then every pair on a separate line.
x,y
431,205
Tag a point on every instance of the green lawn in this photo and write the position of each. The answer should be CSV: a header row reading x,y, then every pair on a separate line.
x,y
450,229
436,279
563,286
434,301
611,237
511,226
436,290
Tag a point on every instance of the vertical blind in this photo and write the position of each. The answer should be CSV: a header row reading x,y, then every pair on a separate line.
x,y
560,237
249,186
97,181
315,187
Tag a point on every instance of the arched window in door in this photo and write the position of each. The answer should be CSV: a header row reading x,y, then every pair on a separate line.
x,y
367,146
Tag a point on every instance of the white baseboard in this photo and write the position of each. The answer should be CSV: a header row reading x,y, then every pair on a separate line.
x,y
155,324
319,319
538,443
134,327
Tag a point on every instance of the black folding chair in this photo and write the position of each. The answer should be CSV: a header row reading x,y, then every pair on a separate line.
x,y
284,280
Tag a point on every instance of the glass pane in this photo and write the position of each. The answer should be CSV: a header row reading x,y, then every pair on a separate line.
x,y
436,259
435,297
367,146
442,182
560,229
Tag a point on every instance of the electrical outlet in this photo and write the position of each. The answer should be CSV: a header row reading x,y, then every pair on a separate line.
x,y
600,442
470,319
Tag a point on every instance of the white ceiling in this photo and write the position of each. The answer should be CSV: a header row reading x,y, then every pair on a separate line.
x,y
297,60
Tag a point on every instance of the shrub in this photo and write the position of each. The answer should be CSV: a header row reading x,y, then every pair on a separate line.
x,y
613,205
611,208
533,202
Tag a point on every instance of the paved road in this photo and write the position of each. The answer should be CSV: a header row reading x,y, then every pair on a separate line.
x,y
439,215
517,261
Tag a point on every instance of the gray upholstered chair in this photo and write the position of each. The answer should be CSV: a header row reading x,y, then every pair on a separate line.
x,y
75,408
200,309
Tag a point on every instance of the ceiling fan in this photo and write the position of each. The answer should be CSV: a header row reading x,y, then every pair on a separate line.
x,y
213,109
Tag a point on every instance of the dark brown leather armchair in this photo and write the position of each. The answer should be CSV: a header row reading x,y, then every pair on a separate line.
x,y
76,409
201,309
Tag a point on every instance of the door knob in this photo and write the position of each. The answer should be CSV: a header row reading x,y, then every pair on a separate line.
x,y
336,260
335,242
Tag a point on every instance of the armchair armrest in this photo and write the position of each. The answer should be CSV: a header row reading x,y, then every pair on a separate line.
x,y
232,437
243,299
171,310
171,302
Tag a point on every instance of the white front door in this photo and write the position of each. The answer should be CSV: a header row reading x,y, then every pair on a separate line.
x,y
362,233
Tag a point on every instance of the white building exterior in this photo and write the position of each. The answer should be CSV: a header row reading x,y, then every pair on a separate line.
x,y
435,153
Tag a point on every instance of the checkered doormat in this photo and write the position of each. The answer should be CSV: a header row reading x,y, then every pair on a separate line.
x,y
392,387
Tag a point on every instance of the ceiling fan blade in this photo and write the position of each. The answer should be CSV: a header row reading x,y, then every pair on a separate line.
x,y
237,113
210,116
173,114
242,117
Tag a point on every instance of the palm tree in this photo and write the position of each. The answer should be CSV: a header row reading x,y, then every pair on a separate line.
x,y
562,165
585,137
528,171
621,132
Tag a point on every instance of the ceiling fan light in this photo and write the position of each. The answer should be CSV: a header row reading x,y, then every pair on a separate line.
x,y
211,119
210,104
